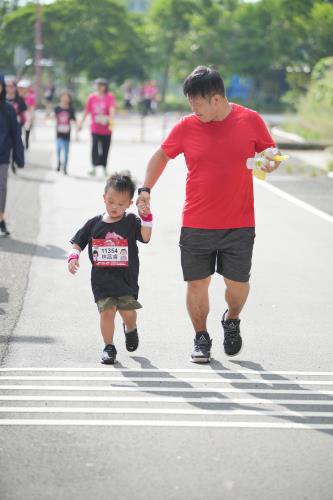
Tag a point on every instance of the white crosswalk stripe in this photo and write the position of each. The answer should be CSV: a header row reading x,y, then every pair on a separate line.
x,y
155,397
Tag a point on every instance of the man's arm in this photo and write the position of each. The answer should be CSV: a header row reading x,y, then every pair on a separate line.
x,y
156,165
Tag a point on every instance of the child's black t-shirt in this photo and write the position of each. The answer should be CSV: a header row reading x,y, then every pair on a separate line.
x,y
114,255
63,121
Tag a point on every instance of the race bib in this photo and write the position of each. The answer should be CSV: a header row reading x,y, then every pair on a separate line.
x,y
110,252
63,128
102,119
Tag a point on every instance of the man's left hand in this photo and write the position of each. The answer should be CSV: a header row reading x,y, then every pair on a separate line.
x,y
272,165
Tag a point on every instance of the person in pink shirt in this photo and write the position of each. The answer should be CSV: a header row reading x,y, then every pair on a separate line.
x,y
101,107
150,92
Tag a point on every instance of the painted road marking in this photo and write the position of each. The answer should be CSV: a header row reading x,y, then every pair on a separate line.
x,y
296,201
165,423
114,369
169,379
296,408
118,388
170,399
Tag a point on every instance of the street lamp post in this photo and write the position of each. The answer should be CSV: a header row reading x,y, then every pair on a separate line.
x,y
38,50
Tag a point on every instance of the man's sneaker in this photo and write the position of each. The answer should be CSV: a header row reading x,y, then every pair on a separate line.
x,y
202,347
131,339
92,172
3,229
109,355
232,339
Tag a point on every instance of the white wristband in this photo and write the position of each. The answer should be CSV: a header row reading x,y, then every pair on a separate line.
x,y
146,223
74,251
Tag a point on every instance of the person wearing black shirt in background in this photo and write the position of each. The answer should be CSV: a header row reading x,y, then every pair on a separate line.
x,y
113,252
18,104
64,115
10,140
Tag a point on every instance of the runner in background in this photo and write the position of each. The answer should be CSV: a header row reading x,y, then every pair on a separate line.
x,y
18,104
10,141
26,91
101,106
127,89
64,115
150,96
49,94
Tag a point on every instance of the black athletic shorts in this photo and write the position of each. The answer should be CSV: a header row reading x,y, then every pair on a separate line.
x,y
226,251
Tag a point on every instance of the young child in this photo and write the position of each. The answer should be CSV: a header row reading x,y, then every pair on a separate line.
x,y
113,251
64,115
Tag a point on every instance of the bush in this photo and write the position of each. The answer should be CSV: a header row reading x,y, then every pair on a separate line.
x,y
315,109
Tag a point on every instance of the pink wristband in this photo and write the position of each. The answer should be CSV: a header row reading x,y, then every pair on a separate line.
x,y
73,256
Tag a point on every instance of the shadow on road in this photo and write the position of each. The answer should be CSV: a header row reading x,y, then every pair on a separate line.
x,y
249,388
4,298
29,339
146,363
308,393
21,247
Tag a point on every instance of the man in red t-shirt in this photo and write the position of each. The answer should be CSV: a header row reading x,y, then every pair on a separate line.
x,y
218,228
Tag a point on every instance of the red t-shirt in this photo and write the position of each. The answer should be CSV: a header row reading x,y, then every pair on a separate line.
x,y
219,186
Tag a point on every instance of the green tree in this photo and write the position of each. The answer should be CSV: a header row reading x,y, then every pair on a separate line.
x,y
168,22
98,38
208,38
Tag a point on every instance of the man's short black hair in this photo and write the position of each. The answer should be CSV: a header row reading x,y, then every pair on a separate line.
x,y
121,182
204,82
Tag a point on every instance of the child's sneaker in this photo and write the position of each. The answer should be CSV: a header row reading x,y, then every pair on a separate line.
x,y
3,229
131,339
109,355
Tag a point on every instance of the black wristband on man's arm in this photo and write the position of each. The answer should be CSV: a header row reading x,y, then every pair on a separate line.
x,y
144,189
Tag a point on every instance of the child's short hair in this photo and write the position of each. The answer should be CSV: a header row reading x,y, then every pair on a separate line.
x,y
121,182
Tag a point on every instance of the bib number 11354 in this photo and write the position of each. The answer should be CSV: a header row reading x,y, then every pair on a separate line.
x,y
111,252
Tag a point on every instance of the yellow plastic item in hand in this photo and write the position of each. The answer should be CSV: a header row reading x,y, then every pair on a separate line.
x,y
259,174
280,157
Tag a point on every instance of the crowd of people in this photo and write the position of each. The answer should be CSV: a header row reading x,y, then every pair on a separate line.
x,y
144,96
100,106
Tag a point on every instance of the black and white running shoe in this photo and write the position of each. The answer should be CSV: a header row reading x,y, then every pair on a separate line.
x,y
109,355
232,339
202,347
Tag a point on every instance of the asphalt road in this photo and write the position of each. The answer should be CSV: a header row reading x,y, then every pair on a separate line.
x,y
156,426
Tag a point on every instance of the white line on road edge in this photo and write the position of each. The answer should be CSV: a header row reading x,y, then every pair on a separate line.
x,y
170,399
161,370
167,411
117,388
165,423
296,201
168,379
